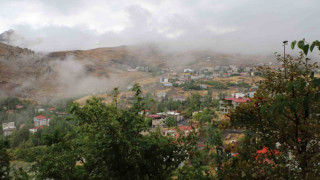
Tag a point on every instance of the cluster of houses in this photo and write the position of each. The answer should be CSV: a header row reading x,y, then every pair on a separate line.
x,y
129,68
204,73
51,110
172,78
187,74
18,107
39,123
9,127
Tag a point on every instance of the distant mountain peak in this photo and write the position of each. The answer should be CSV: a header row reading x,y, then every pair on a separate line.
x,y
14,38
8,37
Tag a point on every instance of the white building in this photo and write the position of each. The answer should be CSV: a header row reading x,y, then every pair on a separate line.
x,y
164,79
238,95
243,95
41,121
188,70
8,128
227,103
177,116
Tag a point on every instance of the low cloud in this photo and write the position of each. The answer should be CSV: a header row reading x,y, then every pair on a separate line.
x,y
73,78
235,26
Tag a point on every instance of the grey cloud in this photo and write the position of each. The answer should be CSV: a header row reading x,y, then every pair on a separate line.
x,y
235,26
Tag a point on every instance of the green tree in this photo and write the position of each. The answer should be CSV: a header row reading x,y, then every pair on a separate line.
x,y
170,122
305,46
282,117
208,99
19,137
113,143
20,174
204,116
115,94
58,161
195,171
4,160
138,103
194,102
214,137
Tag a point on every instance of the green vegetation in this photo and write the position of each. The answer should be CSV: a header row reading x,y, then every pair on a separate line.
x,y
4,161
171,122
305,46
205,116
235,74
190,86
283,119
214,84
240,84
99,141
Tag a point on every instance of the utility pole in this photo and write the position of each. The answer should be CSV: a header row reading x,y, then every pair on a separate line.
x,y
284,57
284,49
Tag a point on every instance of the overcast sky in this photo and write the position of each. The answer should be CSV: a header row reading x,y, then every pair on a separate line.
x,y
249,26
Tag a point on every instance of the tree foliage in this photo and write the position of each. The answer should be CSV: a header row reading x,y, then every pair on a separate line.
x,y
113,143
4,160
305,46
170,122
283,118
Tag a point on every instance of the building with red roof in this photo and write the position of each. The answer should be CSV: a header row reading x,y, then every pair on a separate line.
x,y
41,121
19,106
231,102
52,109
10,111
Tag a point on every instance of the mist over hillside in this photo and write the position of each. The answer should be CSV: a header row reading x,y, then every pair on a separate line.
x,y
41,76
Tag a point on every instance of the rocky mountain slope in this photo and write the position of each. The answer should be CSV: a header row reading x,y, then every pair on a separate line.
x,y
25,73
21,70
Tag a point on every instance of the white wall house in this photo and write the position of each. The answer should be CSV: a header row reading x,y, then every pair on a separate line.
x,y
227,103
41,121
8,128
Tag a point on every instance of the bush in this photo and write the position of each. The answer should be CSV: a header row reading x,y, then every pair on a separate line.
x,y
28,154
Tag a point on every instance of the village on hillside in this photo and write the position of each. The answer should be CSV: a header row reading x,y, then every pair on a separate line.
x,y
176,102
176,99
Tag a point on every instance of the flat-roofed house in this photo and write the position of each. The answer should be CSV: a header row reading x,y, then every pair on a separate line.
x,y
8,128
231,102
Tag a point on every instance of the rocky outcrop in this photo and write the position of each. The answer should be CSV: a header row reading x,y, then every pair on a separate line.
x,y
12,53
